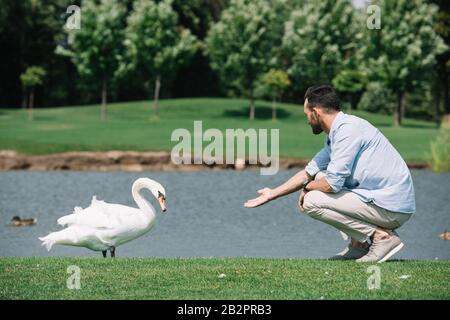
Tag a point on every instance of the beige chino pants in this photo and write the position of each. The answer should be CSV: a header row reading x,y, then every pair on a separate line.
x,y
349,214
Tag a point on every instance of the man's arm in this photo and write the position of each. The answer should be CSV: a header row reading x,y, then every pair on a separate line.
x,y
295,183
320,185
346,147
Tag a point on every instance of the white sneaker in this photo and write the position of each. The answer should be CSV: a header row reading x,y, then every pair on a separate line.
x,y
381,250
350,253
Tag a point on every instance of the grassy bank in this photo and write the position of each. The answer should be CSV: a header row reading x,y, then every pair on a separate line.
x,y
229,278
131,127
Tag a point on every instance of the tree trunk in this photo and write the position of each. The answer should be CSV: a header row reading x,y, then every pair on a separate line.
x,y
274,108
156,97
31,105
399,108
25,98
104,110
403,110
252,109
252,104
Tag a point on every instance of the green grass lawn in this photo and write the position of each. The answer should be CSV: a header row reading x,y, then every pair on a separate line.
x,y
198,278
131,127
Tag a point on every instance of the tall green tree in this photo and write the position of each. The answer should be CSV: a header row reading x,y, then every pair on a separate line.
x,y
31,78
442,28
273,83
351,83
30,29
155,43
98,44
245,43
321,38
402,53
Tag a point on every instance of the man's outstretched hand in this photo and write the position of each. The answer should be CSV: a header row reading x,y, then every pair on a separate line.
x,y
265,195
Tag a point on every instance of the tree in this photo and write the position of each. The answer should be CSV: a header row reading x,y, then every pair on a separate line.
x,y
31,78
32,42
320,39
401,54
274,83
377,99
98,44
245,43
351,83
441,85
155,43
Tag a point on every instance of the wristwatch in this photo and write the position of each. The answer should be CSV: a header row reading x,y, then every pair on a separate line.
x,y
305,184
306,187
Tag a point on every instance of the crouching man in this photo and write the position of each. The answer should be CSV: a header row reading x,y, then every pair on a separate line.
x,y
358,183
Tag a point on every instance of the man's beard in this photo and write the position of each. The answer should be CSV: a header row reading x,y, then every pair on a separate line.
x,y
316,128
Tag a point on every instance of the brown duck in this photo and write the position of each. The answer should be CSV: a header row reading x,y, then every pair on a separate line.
x,y
16,221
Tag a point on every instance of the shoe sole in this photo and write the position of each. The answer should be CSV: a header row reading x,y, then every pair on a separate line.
x,y
392,252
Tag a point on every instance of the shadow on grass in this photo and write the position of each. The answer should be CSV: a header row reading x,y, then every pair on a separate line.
x,y
420,126
260,113
366,263
411,126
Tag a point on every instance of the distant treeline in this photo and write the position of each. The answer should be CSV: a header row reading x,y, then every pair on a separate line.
x,y
398,64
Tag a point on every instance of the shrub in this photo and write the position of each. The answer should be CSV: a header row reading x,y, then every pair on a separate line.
x,y
440,151
377,99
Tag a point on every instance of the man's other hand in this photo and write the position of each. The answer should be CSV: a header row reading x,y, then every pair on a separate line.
x,y
300,200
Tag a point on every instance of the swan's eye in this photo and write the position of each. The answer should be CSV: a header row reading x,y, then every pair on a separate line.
x,y
160,195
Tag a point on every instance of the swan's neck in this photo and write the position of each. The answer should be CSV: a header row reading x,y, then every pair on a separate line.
x,y
141,202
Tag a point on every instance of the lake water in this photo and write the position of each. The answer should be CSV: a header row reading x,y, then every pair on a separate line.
x,y
205,216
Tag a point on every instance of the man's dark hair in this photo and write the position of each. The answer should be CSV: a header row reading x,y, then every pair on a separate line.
x,y
323,96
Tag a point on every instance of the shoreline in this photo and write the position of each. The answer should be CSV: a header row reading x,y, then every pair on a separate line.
x,y
132,161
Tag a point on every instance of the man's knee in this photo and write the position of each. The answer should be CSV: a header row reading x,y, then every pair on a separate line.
x,y
311,202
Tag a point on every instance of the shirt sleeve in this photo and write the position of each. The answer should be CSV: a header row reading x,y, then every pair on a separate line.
x,y
347,144
319,162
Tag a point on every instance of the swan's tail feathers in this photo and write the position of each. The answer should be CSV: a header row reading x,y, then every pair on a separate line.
x,y
47,241
71,218
69,236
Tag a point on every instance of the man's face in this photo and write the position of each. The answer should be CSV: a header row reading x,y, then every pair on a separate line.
x,y
313,118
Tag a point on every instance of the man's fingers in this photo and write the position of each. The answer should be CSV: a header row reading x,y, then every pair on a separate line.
x,y
255,202
251,204
300,202
300,206
252,200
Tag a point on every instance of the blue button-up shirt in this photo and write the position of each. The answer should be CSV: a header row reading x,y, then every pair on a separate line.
x,y
358,157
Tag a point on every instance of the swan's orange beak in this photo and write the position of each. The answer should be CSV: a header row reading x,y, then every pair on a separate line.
x,y
162,203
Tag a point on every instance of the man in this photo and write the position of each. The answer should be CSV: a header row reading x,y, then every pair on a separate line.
x,y
358,183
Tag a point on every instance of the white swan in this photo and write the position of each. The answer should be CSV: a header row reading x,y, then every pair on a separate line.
x,y
104,226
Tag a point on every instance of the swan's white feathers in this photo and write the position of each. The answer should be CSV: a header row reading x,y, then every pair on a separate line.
x,y
101,215
103,225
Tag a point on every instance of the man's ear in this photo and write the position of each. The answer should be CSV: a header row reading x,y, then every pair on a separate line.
x,y
319,111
